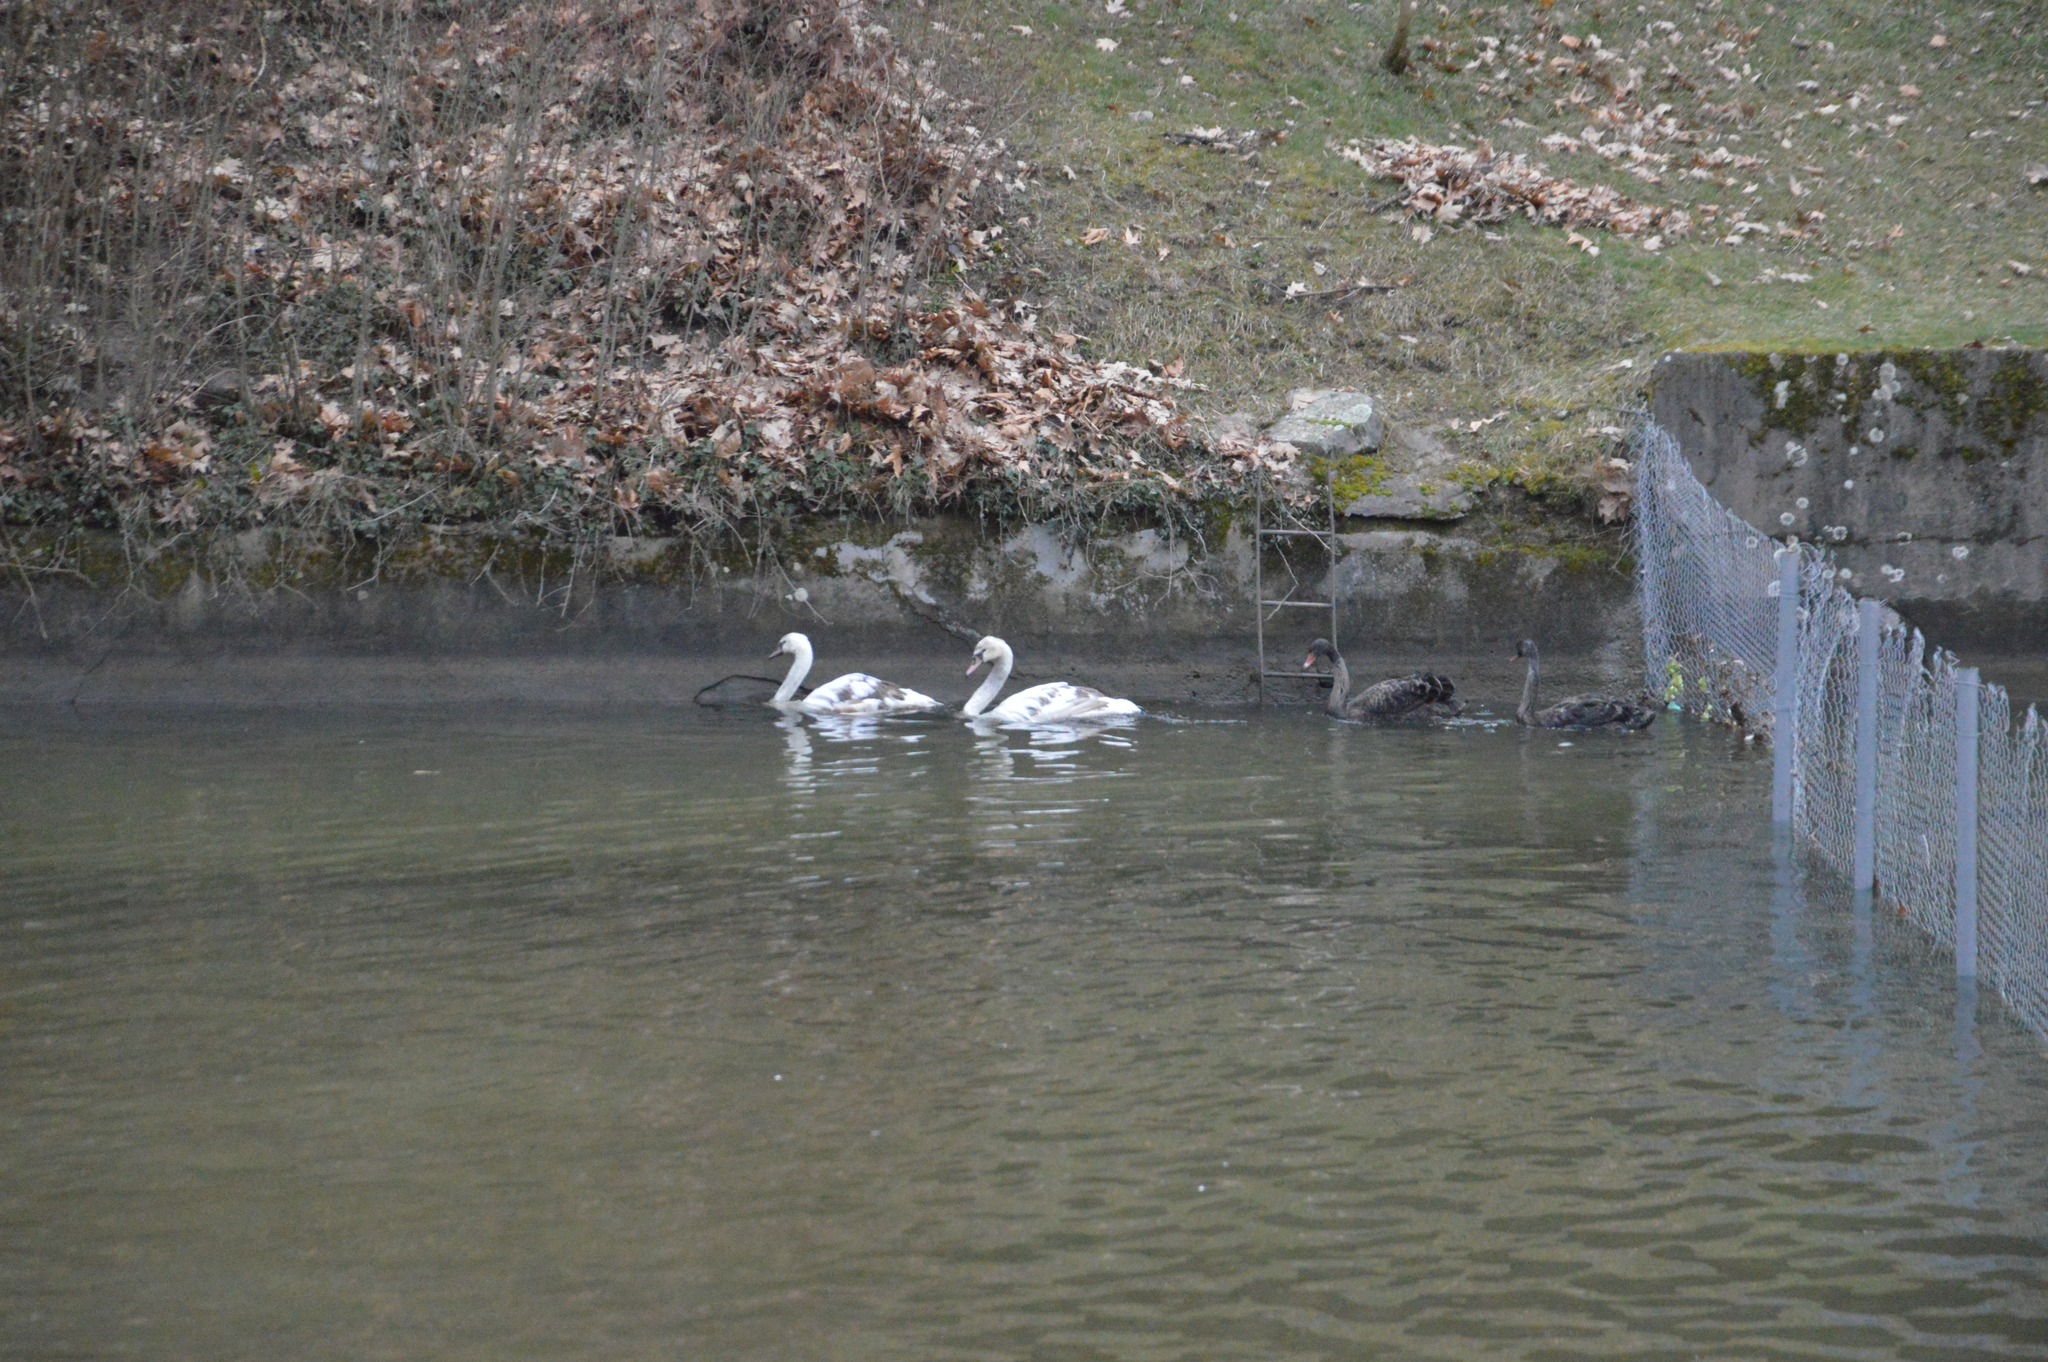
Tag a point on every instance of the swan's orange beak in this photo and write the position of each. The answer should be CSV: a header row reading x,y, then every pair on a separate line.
x,y
974,666
1308,664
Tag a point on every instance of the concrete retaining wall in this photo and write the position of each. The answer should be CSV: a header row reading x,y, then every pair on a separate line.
x,y
1924,472
265,620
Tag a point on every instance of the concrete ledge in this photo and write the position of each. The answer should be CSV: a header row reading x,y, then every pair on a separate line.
x,y
284,623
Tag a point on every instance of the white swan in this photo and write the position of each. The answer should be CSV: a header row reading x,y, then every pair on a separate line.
x,y
855,693
1055,702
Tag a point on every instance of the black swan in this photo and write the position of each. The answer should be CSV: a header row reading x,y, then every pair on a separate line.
x,y
1424,695
1580,711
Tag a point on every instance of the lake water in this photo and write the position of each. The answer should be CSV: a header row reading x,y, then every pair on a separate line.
x,y
697,1036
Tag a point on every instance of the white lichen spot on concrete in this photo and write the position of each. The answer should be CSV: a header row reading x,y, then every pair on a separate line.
x,y
889,565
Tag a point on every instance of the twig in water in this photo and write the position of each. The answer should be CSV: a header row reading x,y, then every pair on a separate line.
x,y
86,675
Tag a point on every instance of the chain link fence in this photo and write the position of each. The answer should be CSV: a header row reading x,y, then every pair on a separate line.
x,y
1711,593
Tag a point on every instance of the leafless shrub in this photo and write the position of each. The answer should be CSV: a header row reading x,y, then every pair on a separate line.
x,y
589,268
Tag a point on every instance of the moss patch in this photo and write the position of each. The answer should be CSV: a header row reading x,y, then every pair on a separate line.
x,y
2016,396
1797,391
1360,475
1939,375
1798,394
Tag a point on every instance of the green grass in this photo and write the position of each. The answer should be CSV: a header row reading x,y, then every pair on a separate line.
x,y
1510,316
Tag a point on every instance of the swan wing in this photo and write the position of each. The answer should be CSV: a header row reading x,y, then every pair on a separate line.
x,y
1403,697
1597,711
857,693
1059,702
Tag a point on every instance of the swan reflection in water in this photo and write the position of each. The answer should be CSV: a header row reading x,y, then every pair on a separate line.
x,y
796,741
1004,750
1033,791
1051,750
867,735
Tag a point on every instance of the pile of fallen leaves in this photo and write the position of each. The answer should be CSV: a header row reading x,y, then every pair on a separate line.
x,y
1451,184
1666,93
618,266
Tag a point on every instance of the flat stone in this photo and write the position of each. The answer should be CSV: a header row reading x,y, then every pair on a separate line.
x,y
1237,425
1330,425
1417,481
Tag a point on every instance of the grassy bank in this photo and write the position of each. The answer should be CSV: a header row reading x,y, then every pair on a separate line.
x,y
1853,175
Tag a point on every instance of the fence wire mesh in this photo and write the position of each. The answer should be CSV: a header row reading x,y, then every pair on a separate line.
x,y
1710,590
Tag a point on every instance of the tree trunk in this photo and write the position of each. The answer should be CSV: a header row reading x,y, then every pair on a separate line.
x,y
1396,60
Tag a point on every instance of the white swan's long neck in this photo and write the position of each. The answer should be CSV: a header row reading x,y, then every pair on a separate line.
x,y
998,675
1527,712
799,668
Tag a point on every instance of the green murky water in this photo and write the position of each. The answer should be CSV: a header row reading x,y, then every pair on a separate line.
x,y
696,1036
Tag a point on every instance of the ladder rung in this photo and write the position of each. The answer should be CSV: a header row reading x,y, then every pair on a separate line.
x,y
1318,605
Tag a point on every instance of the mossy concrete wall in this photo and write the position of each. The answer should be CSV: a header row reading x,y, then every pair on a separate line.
x,y
1925,473
270,619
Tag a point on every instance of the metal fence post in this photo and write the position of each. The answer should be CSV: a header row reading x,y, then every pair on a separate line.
x,y
1650,560
1259,576
1869,622
1966,822
1785,714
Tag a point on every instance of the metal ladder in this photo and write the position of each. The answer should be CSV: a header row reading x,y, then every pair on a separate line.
x,y
1291,527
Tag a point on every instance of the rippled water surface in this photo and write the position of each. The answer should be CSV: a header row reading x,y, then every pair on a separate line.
x,y
697,1036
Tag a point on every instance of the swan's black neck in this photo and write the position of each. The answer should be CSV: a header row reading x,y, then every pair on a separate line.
x,y
1527,713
